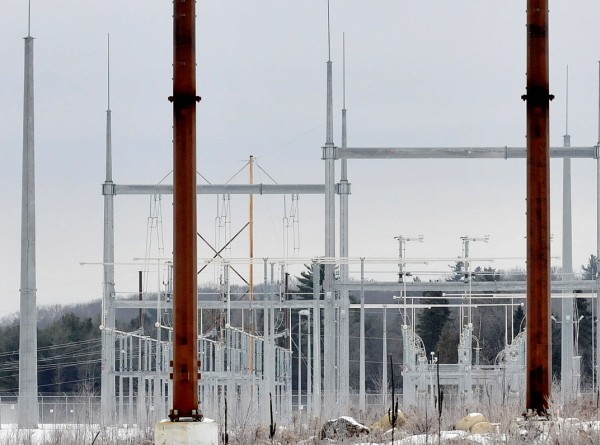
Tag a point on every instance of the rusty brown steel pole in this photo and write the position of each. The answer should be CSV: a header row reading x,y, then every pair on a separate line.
x,y
185,349
539,358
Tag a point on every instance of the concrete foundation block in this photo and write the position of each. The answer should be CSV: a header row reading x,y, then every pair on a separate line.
x,y
186,433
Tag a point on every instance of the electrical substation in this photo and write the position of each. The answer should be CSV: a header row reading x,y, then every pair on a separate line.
x,y
247,352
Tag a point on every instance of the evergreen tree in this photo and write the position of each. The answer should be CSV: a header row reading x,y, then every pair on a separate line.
x,y
556,348
447,332
69,355
590,270
519,320
485,274
9,350
305,282
432,321
304,292
447,344
584,343
459,272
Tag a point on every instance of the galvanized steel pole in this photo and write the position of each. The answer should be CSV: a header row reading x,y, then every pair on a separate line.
x,y
538,210
329,356
568,377
299,361
361,371
316,271
596,380
185,348
107,383
344,191
28,383
384,375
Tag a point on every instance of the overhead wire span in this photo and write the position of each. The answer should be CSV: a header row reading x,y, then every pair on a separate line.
x,y
91,378
55,357
223,226
72,381
154,230
50,347
289,142
202,176
291,222
263,170
164,177
271,219
238,172
14,366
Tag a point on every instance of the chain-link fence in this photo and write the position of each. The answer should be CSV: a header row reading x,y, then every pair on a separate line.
x,y
78,409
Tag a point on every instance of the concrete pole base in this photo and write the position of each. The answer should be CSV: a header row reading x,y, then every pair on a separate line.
x,y
186,433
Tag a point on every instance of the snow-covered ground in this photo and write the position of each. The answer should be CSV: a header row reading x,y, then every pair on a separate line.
x,y
67,434
570,431
560,430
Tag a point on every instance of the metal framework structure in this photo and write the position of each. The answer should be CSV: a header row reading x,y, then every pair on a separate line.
x,y
242,367
144,389
335,307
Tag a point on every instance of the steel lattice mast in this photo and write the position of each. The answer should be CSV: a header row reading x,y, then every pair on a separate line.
x,y
539,356
185,292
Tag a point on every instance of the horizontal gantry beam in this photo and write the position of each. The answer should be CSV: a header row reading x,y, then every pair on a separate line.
x,y
208,305
592,152
457,287
451,290
216,189
458,152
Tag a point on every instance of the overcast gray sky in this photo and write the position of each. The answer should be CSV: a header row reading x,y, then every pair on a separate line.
x,y
433,73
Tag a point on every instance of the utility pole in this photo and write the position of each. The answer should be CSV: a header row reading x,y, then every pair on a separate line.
x,y
597,277
329,374
185,367
361,359
539,357
28,383
567,346
402,240
107,383
468,273
316,272
251,265
344,192
185,308
384,375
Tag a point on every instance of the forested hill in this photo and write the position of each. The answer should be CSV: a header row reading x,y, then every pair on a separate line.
x,y
69,348
68,353
69,345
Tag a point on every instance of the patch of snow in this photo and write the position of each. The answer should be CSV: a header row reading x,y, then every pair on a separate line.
x,y
351,420
421,439
593,425
487,439
45,433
